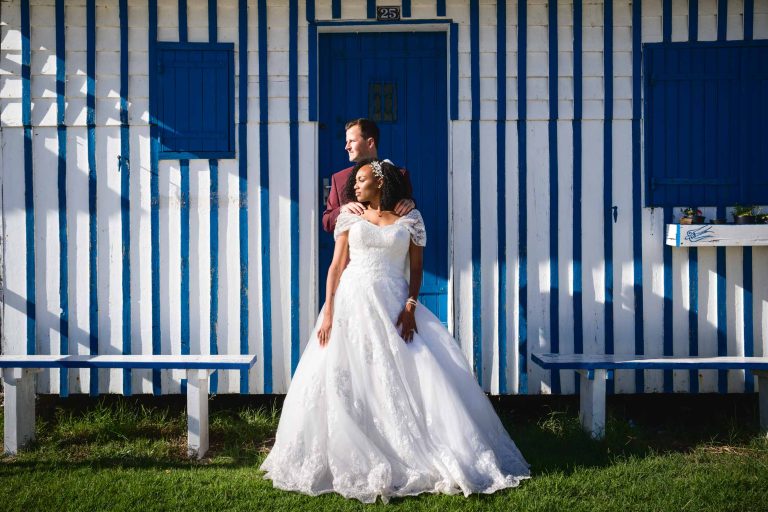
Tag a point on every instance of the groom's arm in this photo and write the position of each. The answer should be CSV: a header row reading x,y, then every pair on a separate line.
x,y
332,207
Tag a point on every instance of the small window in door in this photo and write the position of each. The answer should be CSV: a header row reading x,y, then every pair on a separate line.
x,y
382,102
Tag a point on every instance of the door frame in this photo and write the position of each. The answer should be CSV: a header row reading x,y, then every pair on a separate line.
x,y
352,27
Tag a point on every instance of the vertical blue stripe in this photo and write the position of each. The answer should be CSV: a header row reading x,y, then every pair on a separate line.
x,y
406,5
637,211
213,166
666,21
293,108
667,340
749,332
61,134
29,201
125,197
184,313
312,55
749,19
441,9
722,19
266,287
183,21
522,178
214,252
609,211
370,9
310,11
213,21
477,328
578,326
243,161
501,183
693,20
693,252
554,199
454,72
154,190
693,315
93,224
336,9
722,313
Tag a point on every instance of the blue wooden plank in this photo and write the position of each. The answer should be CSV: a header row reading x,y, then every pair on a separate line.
x,y
749,332
454,35
243,181
722,313
477,327
749,19
125,195
578,69
370,9
213,21
501,183
722,19
141,362
554,200
609,212
213,341
184,250
441,8
693,315
667,318
336,9
293,107
522,227
183,21
666,27
693,20
637,211
92,178
406,8
29,201
266,299
154,191
61,136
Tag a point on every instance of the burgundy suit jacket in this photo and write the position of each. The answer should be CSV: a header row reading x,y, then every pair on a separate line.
x,y
336,197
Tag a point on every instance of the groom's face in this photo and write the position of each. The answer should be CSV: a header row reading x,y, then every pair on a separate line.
x,y
357,147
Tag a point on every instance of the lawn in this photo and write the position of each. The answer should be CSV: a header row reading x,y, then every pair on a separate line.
x,y
661,453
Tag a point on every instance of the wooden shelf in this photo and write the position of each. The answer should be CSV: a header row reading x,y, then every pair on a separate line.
x,y
717,235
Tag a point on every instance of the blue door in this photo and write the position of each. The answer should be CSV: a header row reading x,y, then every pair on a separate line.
x,y
400,81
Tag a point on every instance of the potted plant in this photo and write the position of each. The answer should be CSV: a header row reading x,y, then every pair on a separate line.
x,y
745,214
691,215
762,218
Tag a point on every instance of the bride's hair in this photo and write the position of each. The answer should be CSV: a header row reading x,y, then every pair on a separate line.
x,y
393,188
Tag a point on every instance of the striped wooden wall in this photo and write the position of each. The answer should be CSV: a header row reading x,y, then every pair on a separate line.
x,y
108,250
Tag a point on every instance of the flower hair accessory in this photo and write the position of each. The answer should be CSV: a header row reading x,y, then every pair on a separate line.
x,y
376,167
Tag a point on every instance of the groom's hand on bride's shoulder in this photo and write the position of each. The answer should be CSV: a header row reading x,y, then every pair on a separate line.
x,y
404,207
353,208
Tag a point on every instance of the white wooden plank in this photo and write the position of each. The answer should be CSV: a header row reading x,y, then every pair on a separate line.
x,y
141,250
229,271
708,20
653,292
310,213
760,299
565,319
680,307
513,274
14,331
538,250
78,255
47,269
197,20
199,257
707,315
109,259
255,304
488,253
169,178
734,262
175,361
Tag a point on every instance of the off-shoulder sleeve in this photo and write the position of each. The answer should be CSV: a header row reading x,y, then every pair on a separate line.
x,y
415,224
343,222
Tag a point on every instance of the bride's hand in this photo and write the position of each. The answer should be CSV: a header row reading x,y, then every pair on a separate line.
x,y
324,331
407,320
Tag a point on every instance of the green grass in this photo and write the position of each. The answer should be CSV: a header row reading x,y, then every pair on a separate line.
x,y
660,453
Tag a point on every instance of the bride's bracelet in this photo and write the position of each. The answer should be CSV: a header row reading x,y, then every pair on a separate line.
x,y
411,301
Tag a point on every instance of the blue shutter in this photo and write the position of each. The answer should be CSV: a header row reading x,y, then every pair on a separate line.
x,y
705,108
195,100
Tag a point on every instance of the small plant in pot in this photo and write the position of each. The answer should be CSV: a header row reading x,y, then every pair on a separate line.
x,y
745,214
691,215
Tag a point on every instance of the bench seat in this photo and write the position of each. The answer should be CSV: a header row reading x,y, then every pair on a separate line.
x,y
594,369
19,384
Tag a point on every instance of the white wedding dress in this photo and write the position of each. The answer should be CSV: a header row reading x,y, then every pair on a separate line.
x,y
370,415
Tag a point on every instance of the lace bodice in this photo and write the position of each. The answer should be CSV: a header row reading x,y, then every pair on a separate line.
x,y
381,249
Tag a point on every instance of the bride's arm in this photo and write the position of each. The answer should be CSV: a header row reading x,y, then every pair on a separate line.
x,y
408,316
339,263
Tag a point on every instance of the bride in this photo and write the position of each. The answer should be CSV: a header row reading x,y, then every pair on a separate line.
x,y
383,402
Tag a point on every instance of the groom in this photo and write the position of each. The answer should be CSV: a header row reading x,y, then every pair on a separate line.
x,y
362,142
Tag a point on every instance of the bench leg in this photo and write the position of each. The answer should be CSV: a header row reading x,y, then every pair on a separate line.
x,y
762,392
592,402
19,399
197,412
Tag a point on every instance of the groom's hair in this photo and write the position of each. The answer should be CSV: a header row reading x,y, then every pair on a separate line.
x,y
368,129
393,189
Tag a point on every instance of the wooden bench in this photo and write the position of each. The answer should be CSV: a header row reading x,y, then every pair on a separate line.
x,y
595,369
18,378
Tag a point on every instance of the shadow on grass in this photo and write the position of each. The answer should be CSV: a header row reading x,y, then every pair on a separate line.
x,y
150,432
